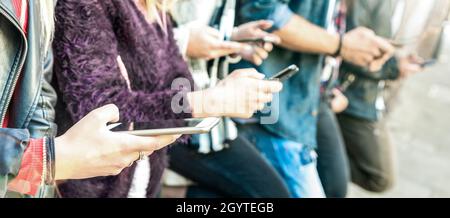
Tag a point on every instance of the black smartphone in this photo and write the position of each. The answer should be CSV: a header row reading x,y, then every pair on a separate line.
x,y
286,73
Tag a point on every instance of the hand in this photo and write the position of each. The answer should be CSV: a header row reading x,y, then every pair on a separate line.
x,y
339,102
362,47
409,65
89,149
256,30
205,43
239,95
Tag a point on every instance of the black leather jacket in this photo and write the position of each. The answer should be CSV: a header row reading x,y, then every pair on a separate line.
x,y
23,65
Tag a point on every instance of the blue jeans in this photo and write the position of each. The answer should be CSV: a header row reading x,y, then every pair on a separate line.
x,y
295,162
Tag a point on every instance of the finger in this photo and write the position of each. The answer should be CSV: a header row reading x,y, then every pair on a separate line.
x,y
384,45
263,54
366,59
272,38
264,24
166,140
220,53
149,144
256,60
250,73
264,98
105,114
268,47
375,51
271,86
261,106
229,45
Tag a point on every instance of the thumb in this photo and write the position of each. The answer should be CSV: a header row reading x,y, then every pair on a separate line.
x,y
264,24
105,114
251,73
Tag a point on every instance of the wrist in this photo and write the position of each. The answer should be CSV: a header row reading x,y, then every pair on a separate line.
x,y
195,101
339,38
61,171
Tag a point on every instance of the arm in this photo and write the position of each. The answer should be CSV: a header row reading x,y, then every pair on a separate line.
x,y
26,170
359,46
87,70
296,33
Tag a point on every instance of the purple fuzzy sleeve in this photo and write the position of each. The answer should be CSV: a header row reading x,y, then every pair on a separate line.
x,y
87,71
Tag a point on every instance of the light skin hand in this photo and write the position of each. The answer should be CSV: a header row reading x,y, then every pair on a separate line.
x,y
239,95
258,52
363,48
89,149
409,65
205,43
340,102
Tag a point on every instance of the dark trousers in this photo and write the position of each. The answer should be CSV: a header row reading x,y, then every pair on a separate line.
x,y
369,151
238,171
332,162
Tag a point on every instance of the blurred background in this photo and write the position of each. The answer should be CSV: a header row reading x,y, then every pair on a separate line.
x,y
419,124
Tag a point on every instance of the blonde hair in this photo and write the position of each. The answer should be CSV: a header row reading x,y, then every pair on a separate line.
x,y
47,11
152,7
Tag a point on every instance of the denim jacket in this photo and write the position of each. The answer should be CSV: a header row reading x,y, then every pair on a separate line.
x,y
299,100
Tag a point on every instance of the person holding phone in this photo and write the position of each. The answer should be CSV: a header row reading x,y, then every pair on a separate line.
x,y
369,150
217,163
304,41
89,39
31,157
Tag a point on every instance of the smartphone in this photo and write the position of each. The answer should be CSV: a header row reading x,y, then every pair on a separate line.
x,y
167,127
258,40
286,73
428,63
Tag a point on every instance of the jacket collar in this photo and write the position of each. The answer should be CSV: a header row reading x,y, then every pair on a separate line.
x,y
7,6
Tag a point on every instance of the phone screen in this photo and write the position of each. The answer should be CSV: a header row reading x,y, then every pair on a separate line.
x,y
157,124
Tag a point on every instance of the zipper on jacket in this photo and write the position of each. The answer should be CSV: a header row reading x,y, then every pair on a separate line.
x,y
24,49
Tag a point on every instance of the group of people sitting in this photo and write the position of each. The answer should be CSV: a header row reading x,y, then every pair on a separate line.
x,y
69,68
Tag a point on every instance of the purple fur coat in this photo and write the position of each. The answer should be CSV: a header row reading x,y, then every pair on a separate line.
x,y
90,35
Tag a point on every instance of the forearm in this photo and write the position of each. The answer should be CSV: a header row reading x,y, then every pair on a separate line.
x,y
302,36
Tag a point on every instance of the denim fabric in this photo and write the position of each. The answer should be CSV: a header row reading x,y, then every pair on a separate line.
x,y
295,162
300,96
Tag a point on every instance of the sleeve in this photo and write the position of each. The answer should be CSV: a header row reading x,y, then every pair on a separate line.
x,y
86,68
275,10
388,72
22,162
42,121
30,175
